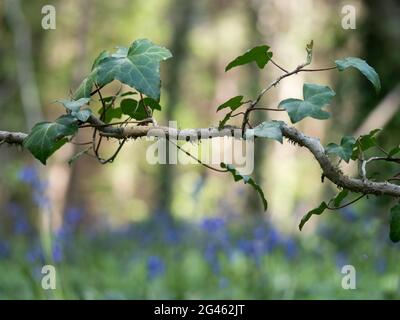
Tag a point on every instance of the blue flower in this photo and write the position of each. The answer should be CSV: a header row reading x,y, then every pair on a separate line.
x,y
4,249
212,225
28,175
291,248
57,253
73,216
155,267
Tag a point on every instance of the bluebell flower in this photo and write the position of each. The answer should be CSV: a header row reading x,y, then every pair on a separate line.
x,y
21,226
290,248
73,216
57,253
212,225
4,249
211,256
155,267
381,265
28,175
35,254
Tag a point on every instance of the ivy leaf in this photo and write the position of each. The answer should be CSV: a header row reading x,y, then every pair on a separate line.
x,y
260,54
394,151
137,66
136,110
46,137
232,103
344,151
316,211
365,142
247,180
223,122
395,223
267,129
74,105
363,67
315,98
340,197
82,115
111,113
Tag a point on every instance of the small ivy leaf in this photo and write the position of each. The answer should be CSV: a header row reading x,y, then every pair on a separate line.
x,y
82,115
128,93
365,142
315,98
136,110
316,211
260,54
111,113
137,66
247,180
267,129
223,122
363,67
394,151
309,49
104,54
46,137
232,103
395,223
74,105
340,197
345,150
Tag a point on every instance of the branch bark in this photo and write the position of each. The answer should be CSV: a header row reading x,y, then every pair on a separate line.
x,y
331,172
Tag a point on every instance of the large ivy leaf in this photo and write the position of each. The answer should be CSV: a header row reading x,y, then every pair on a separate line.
x,y
247,180
317,211
260,55
365,142
395,223
137,66
46,137
394,151
315,98
363,67
267,129
232,103
344,150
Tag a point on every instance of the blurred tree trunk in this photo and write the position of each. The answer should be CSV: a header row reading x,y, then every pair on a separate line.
x,y
253,204
181,11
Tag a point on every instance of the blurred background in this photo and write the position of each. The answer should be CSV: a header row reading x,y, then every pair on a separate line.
x,y
130,230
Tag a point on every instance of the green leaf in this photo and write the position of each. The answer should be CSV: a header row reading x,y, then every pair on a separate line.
x,y
395,223
315,98
74,105
247,180
82,115
46,137
232,103
137,66
316,211
345,150
340,197
394,151
260,54
111,113
223,122
136,110
267,129
363,67
365,142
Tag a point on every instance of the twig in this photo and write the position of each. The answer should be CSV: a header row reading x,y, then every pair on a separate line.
x,y
277,65
347,204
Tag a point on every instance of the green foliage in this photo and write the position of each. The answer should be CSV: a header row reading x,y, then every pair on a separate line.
x,y
232,103
46,137
344,150
75,107
340,197
364,142
260,55
315,98
247,180
395,223
317,211
363,67
136,110
394,151
267,129
137,66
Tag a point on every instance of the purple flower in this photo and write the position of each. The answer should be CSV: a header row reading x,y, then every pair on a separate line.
x,y
28,175
212,225
155,267
57,253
